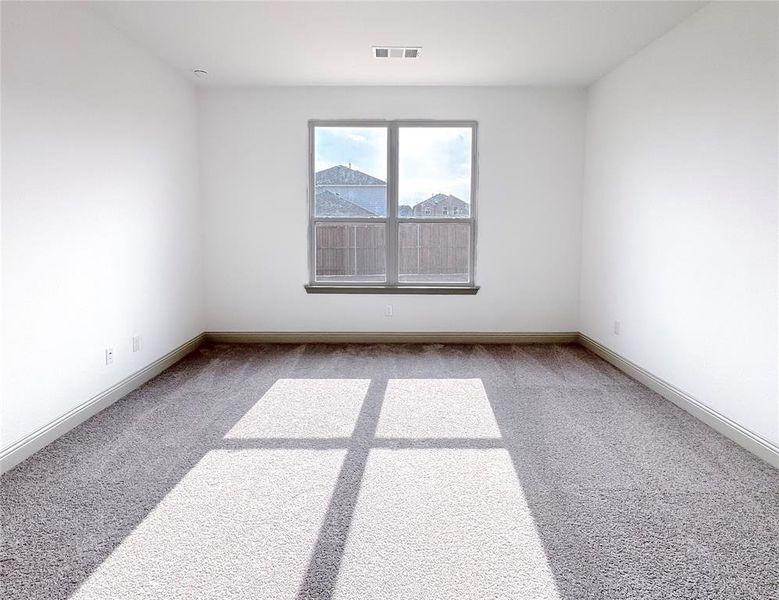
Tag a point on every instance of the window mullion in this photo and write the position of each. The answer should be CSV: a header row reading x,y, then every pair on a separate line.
x,y
392,205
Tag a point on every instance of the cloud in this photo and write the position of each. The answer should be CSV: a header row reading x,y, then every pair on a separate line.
x,y
365,148
360,139
432,160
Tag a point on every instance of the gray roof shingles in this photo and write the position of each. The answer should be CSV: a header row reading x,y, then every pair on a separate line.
x,y
438,198
329,204
340,175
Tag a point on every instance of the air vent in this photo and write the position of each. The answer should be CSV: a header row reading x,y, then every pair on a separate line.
x,y
396,52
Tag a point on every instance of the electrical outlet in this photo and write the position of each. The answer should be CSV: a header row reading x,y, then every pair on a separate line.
x,y
388,310
617,327
136,343
109,356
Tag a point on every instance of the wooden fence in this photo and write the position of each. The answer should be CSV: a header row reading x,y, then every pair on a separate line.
x,y
350,249
434,248
358,250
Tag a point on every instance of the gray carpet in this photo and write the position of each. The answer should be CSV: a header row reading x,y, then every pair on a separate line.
x,y
377,471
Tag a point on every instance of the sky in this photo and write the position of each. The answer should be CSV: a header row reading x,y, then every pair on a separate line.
x,y
432,160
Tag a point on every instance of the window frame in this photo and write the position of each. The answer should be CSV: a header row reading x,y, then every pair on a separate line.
x,y
392,220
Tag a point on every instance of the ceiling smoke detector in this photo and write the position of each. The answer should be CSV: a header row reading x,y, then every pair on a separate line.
x,y
200,73
396,52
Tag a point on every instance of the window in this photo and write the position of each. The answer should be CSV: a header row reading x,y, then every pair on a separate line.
x,y
392,206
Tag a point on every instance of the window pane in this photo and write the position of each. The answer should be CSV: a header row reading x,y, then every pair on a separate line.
x,y
350,166
350,252
434,252
435,172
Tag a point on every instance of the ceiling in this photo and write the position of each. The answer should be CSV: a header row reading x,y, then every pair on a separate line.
x,y
329,43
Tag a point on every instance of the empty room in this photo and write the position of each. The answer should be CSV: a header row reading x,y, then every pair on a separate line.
x,y
414,300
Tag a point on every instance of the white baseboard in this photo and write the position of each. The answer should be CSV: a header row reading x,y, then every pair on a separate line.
x,y
14,454
745,438
27,446
382,337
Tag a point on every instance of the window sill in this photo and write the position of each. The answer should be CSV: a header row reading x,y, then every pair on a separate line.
x,y
400,289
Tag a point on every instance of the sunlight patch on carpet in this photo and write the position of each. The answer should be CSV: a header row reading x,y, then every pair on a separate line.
x,y
304,408
443,524
240,524
437,408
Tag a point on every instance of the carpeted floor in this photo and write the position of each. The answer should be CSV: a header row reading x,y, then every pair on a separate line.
x,y
393,472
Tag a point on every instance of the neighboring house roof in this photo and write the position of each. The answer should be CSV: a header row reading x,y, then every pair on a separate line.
x,y
440,205
341,175
404,210
332,205
439,198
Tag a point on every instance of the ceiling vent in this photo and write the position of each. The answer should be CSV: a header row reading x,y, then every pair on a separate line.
x,y
396,52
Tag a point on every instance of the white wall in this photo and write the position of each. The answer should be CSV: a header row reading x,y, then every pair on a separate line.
x,y
254,157
102,231
101,218
680,211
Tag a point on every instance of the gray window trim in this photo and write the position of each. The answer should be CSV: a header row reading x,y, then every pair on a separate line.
x,y
392,220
